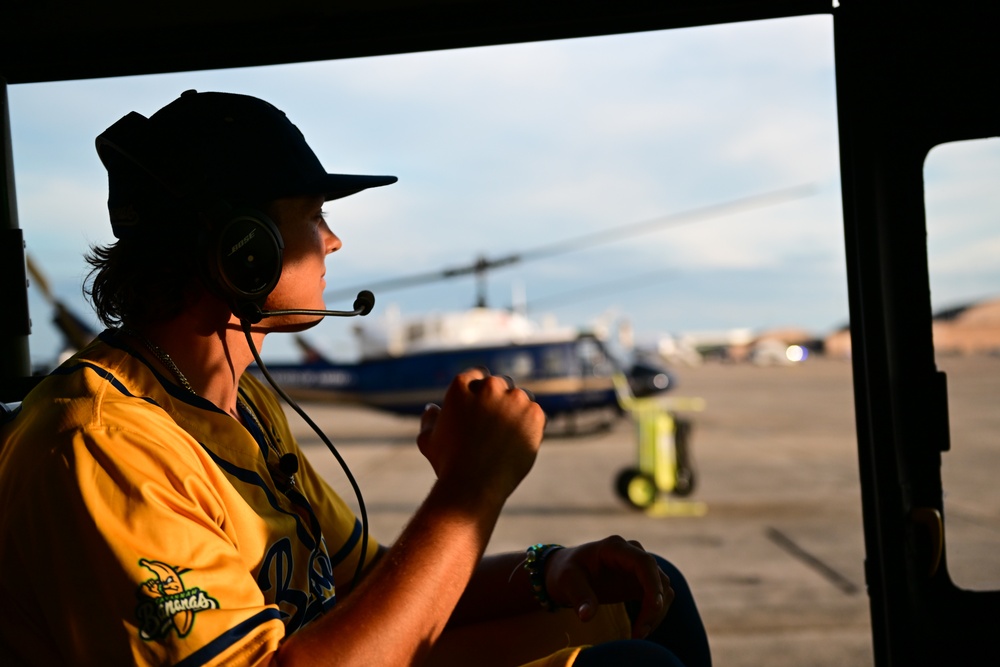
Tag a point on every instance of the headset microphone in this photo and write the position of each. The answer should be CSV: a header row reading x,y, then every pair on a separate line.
x,y
363,305
288,465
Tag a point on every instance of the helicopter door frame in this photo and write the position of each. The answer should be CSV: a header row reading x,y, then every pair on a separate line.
x,y
909,76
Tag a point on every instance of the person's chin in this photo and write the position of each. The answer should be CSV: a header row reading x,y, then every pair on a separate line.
x,y
294,323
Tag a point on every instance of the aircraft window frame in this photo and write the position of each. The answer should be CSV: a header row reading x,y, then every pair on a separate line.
x,y
963,306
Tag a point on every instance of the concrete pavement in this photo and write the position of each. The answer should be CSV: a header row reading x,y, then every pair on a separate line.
x,y
776,561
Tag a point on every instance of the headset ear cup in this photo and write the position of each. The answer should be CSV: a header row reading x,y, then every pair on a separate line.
x,y
244,254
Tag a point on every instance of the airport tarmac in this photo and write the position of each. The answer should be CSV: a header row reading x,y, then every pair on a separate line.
x,y
776,559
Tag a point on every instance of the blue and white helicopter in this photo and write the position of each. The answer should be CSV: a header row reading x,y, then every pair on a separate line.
x,y
406,363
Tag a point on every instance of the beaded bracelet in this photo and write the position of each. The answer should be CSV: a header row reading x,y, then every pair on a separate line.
x,y
534,564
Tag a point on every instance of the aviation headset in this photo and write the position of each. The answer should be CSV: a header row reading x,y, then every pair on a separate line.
x,y
209,154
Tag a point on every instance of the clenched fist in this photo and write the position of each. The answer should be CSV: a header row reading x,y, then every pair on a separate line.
x,y
483,439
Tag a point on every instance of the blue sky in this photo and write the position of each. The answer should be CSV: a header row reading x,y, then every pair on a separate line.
x,y
505,149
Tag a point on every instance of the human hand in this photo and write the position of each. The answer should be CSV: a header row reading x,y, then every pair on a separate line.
x,y
483,439
611,570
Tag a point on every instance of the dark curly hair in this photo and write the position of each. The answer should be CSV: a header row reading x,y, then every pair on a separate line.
x,y
138,282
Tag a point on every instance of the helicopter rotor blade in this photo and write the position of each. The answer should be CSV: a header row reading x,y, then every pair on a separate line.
x,y
731,207
40,280
414,280
629,283
483,264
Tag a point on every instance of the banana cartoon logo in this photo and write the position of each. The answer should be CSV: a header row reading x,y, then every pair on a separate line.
x,y
166,604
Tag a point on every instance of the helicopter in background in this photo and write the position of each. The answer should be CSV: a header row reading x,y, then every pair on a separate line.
x,y
406,363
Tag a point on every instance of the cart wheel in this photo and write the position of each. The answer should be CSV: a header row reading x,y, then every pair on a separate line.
x,y
621,482
636,488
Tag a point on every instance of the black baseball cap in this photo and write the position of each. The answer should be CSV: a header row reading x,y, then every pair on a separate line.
x,y
211,147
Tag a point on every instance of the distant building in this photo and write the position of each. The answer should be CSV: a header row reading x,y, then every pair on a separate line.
x,y
838,344
969,329
781,346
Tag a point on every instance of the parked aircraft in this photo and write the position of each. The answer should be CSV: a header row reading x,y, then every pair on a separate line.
x,y
75,331
406,364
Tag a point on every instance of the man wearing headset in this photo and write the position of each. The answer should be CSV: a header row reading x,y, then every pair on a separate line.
x,y
155,508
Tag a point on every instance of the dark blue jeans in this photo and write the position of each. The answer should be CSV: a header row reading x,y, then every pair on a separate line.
x,y
679,641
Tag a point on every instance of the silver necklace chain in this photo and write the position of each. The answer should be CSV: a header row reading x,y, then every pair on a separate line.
x,y
163,357
167,361
287,474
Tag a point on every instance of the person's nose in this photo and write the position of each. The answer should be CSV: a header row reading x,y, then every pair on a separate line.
x,y
333,242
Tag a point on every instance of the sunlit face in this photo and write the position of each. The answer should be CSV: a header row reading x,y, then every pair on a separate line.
x,y
308,240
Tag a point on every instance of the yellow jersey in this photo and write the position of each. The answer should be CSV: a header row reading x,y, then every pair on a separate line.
x,y
140,524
